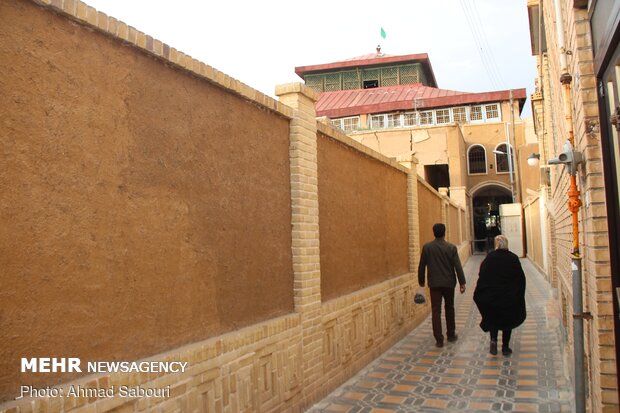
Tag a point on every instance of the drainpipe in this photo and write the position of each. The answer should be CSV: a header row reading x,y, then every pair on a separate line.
x,y
574,203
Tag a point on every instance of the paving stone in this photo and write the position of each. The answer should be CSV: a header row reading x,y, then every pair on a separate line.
x,y
414,376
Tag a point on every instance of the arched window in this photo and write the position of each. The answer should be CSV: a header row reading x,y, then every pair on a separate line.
x,y
501,158
477,159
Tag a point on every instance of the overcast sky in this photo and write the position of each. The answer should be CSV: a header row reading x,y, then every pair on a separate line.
x,y
473,45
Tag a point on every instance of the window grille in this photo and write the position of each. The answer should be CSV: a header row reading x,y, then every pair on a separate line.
x,y
492,111
477,160
393,120
426,118
389,76
476,113
409,74
443,116
370,74
501,158
350,80
459,115
332,82
315,82
377,121
337,123
409,119
350,124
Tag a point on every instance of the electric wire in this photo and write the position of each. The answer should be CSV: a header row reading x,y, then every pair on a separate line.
x,y
481,44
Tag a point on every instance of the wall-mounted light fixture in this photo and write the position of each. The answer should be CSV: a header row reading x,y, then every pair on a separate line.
x,y
533,159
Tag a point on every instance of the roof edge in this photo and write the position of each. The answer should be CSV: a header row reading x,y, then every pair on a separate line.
x,y
377,61
428,103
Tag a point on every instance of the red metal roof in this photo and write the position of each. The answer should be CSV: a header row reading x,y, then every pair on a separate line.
x,y
403,97
373,59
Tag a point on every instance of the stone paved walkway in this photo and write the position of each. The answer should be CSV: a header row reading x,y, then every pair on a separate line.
x,y
415,376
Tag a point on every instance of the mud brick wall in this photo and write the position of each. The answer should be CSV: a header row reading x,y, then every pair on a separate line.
x,y
363,219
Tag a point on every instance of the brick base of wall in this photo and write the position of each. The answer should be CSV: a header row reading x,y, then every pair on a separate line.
x,y
259,368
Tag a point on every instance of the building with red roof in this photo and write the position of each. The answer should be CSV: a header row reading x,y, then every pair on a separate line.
x,y
468,142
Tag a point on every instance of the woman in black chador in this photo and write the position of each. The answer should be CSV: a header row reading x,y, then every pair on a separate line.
x,y
500,294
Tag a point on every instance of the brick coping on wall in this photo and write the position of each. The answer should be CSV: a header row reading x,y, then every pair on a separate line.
x,y
89,16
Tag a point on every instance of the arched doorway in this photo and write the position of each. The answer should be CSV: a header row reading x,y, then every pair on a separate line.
x,y
486,199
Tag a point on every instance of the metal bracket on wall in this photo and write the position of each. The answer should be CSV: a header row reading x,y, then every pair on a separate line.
x,y
585,316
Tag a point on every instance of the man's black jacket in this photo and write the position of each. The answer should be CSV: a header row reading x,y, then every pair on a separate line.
x,y
442,260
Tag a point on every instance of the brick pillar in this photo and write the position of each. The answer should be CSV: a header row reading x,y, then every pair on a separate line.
x,y
458,194
444,210
414,217
305,221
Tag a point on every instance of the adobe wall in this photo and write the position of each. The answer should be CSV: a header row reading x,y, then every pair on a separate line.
x,y
454,234
128,183
431,213
158,209
363,219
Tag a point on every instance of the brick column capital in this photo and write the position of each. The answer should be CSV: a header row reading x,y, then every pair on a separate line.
x,y
290,92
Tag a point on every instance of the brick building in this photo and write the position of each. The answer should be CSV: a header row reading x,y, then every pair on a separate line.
x,y
576,47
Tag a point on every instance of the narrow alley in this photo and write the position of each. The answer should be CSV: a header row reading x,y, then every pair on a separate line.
x,y
415,376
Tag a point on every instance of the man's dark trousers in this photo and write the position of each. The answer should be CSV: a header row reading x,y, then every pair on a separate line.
x,y
447,293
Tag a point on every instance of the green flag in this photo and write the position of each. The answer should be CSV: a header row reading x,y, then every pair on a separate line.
x,y
382,33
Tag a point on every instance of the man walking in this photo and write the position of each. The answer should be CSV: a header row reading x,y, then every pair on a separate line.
x,y
444,267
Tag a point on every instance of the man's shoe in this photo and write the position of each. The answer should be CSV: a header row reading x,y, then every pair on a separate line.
x,y
439,344
493,349
453,338
506,351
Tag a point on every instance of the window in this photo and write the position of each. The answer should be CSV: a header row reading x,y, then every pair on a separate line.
x,y
350,124
389,76
443,116
477,159
426,118
347,124
409,74
459,115
501,158
350,80
332,82
476,114
393,120
370,84
377,121
492,111
409,119
315,82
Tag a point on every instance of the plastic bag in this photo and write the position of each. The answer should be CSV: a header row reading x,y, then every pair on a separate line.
x,y
419,297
